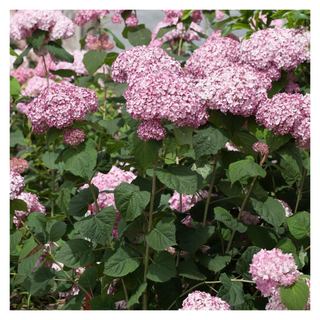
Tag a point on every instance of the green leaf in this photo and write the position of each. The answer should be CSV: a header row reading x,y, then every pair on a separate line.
x,y
75,302
226,217
163,267
63,200
13,53
37,38
239,25
278,85
60,53
145,152
180,178
209,141
65,73
244,169
243,264
110,57
216,263
93,60
14,241
121,262
231,292
163,235
49,157
135,297
139,37
18,204
27,264
299,225
271,211
88,278
187,268
274,141
226,30
17,137
286,246
163,31
102,303
190,239
40,282
14,86
262,237
37,223
186,14
81,160
55,230
210,15
130,201
76,253
97,227
245,140
19,60
79,204
183,135
295,297
118,43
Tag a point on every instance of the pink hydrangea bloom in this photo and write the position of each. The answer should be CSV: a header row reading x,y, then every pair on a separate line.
x,y
132,20
275,302
219,15
77,65
116,18
33,205
261,147
199,300
165,96
110,181
151,129
24,22
143,60
230,146
73,136
18,165
286,207
217,52
22,74
59,105
271,49
83,16
40,70
16,184
284,113
98,44
188,200
237,89
271,269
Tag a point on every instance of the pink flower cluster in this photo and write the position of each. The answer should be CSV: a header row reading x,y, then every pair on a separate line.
x,y
77,65
287,113
24,22
188,200
275,302
151,129
16,184
98,43
83,16
33,205
116,18
199,300
18,165
286,207
143,60
238,89
271,269
217,52
73,136
132,20
22,74
59,105
261,147
110,181
271,49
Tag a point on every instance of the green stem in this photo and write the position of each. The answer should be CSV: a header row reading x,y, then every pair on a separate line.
x,y
206,209
300,190
146,257
246,198
93,196
45,68
180,45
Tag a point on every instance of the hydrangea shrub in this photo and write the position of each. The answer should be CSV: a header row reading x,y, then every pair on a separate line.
x,y
167,176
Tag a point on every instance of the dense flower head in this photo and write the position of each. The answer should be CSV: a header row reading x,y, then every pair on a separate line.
x,y
274,48
59,105
261,147
116,18
24,22
165,96
110,181
238,89
77,65
217,52
18,165
143,60
151,129
286,207
73,136
275,302
16,184
22,74
199,300
188,200
98,43
83,16
284,113
132,20
271,269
